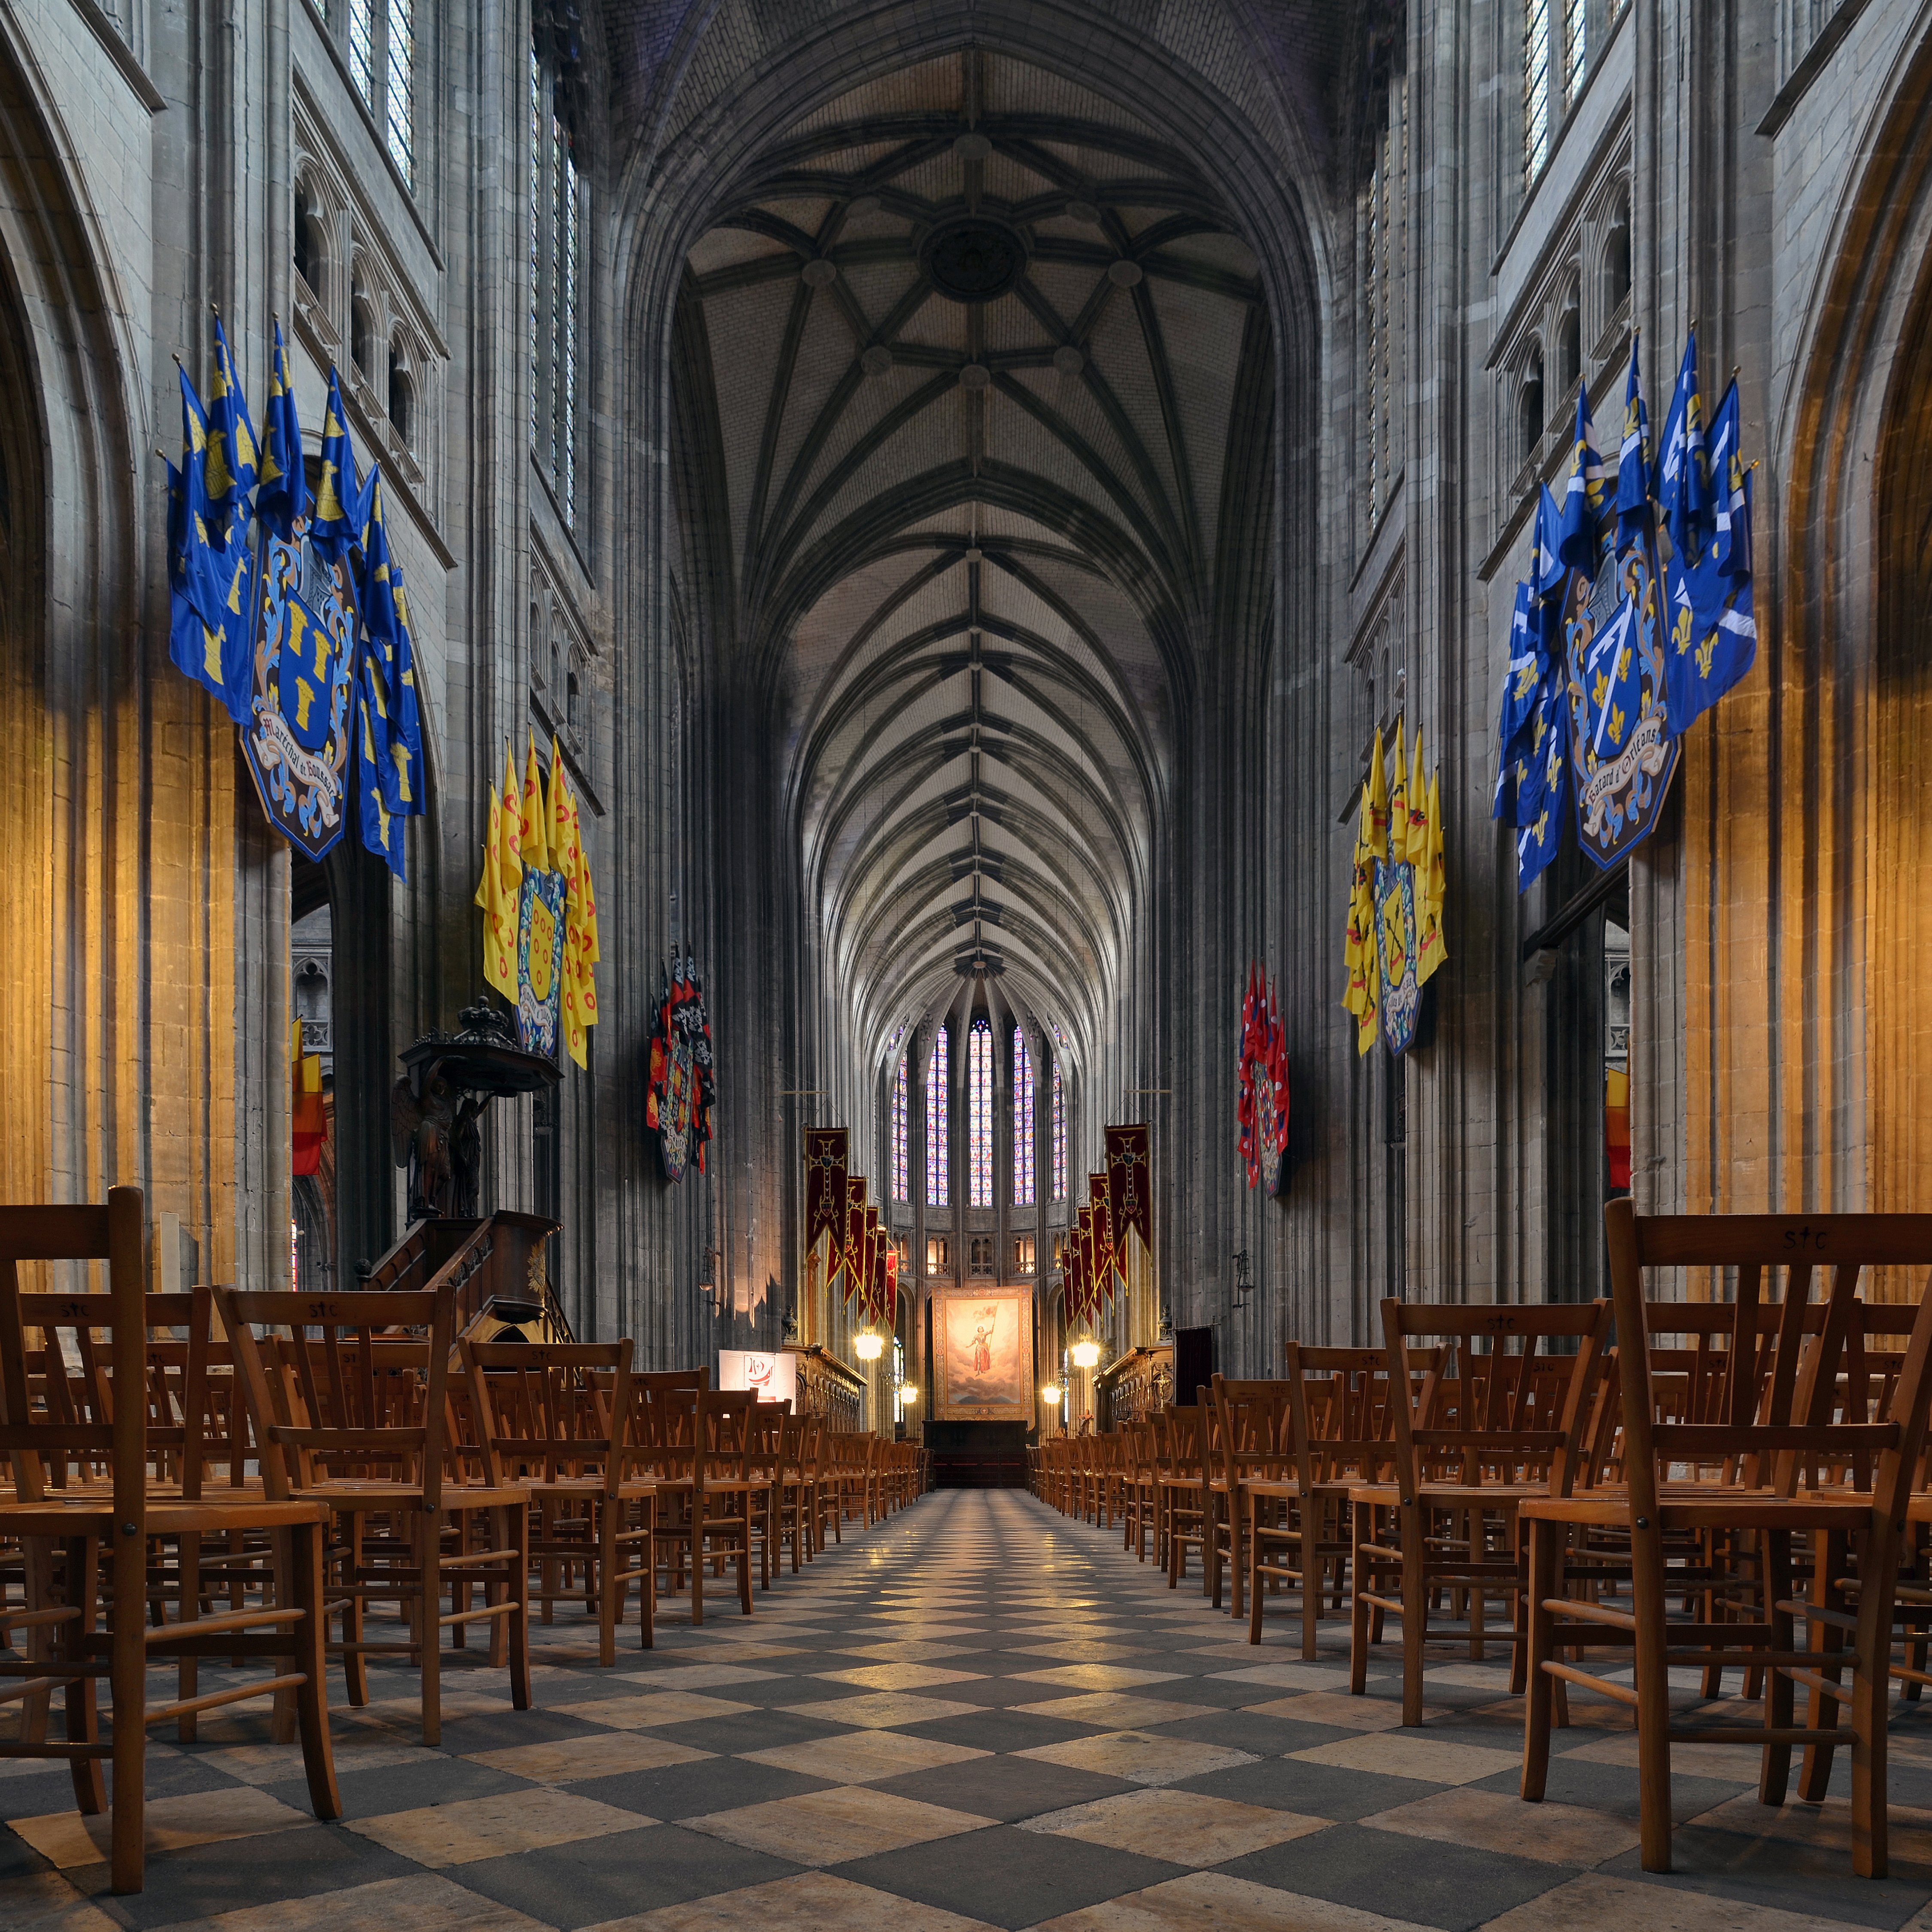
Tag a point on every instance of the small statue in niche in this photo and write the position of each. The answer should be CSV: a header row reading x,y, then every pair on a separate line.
x,y
433,1133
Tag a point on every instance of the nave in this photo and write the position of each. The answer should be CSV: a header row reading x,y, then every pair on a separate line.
x,y
978,1711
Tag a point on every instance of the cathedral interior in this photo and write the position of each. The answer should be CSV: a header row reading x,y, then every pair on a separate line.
x,y
1228,674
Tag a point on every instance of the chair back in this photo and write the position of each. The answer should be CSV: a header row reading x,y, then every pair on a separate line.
x,y
551,1410
43,1438
1811,1409
356,1388
1254,1436
724,1435
1344,1419
1517,1411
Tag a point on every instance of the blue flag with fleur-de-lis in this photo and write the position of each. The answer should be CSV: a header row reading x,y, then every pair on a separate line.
x,y
1713,637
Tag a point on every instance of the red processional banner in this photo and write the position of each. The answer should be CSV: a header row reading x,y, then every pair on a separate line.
x,y
1109,1266
825,1195
1130,1186
875,1263
854,1260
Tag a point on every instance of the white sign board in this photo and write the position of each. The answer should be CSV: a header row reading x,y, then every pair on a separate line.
x,y
774,1378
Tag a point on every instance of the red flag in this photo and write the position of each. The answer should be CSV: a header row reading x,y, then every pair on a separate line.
x,y
873,1265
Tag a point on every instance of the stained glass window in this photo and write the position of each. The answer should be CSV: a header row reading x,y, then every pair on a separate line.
x,y
899,1132
536,236
1575,48
362,49
979,1115
1022,1122
1059,1136
1535,87
401,88
556,210
937,1074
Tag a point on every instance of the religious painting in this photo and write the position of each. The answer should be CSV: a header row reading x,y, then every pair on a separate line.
x,y
771,1375
296,737
982,1350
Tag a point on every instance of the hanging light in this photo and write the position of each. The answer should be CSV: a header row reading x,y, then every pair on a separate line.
x,y
1050,1395
869,1345
1085,1353
908,1395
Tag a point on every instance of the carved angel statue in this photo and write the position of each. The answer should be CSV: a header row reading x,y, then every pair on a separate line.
x,y
435,1135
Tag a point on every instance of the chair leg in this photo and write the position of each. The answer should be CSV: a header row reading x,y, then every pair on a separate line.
x,y
128,1564
1653,1699
82,1584
1310,1511
1780,1693
354,1664
513,1531
429,1603
608,1512
1829,1554
311,1638
1543,1538
187,1669
1362,1522
1415,1610
697,1511
1871,1688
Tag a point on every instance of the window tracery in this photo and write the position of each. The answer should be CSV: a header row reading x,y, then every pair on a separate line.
x,y
936,1081
979,1115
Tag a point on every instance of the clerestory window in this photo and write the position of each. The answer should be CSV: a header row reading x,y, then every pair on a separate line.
x,y
555,214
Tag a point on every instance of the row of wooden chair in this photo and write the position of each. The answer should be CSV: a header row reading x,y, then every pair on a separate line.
x,y
287,1462
1735,1485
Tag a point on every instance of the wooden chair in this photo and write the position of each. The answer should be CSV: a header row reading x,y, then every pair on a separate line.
x,y
729,1492
358,1420
1181,1477
115,1528
1766,1492
1254,1442
568,1445
664,1422
1468,1450
1343,1425
1137,1491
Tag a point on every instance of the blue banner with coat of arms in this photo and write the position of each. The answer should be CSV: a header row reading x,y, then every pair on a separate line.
x,y
1637,616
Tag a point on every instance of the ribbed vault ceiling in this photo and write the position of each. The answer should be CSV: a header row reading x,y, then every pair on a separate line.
x,y
972,546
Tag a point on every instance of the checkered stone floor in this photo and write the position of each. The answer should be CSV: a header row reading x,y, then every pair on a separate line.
x,y
979,1714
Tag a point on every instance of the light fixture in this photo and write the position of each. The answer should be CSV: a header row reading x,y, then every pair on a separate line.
x,y
908,1394
1085,1353
869,1345
1050,1395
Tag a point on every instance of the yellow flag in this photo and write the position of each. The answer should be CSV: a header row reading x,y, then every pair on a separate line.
x,y
1430,944
1398,802
586,948
511,845
492,839
536,839
1418,823
1374,845
558,814
586,893
499,915
1377,800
